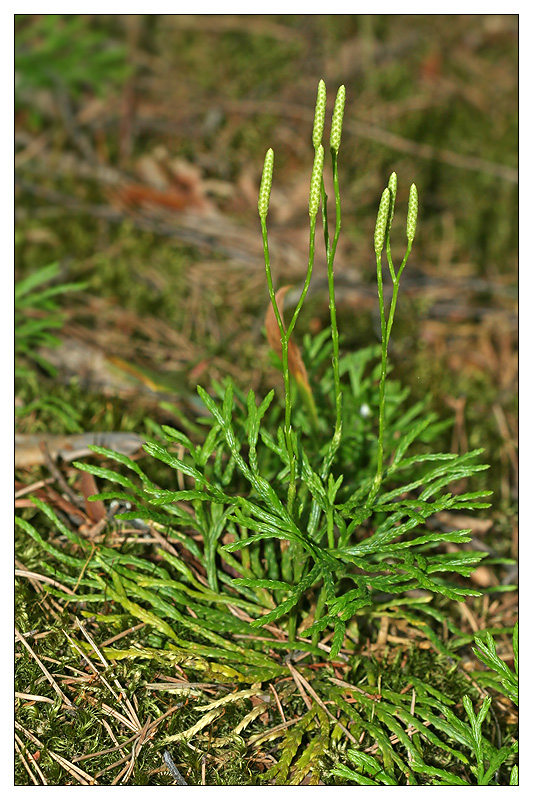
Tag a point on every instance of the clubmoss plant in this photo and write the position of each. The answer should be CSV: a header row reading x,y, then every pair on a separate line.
x,y
311,528
466,740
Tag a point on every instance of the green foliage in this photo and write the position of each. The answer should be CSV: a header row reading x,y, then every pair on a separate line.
x,y
37,314
458,739
486,653
61,49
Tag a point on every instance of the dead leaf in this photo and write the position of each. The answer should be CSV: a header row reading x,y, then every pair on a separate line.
x,y
296,364
95,508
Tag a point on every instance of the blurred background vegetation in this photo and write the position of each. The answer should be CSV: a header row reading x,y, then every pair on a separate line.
x,y
139,147
140,142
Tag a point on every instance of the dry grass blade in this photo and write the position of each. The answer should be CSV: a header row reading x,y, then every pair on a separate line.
x,y
112,736
349,686
37,698
151,727
122,697
299,684
112,712
18,748
108,750
314,695
80,775
33,761
125,773
24,573
278,702
123,633
141,739
47,602
57,689
32,487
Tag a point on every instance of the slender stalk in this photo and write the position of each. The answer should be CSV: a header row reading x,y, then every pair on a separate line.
x,y
386,328
395,290
310,262
384,342
331,249
286,563
284,338
333,312
325,219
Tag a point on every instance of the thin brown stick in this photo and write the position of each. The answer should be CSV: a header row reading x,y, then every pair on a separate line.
x,y
151,728
107,751
87,562
165,544
32,487
278,703
119,776
136,749
138,743
124,633
112,736
112,766
112,712
39,590
273,732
